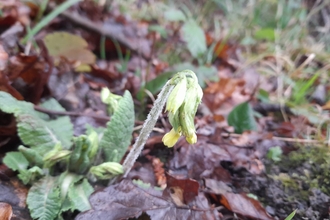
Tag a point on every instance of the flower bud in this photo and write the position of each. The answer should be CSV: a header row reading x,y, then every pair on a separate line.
x,y
171,138
94,145
55,155
177,95
107,170
187,125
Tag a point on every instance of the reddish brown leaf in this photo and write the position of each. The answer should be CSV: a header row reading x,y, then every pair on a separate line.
x,y
244,205
217,93
6,211
182,191
6,87
33,70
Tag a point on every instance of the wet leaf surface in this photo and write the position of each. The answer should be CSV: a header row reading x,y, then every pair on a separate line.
x,y
13,193
126,200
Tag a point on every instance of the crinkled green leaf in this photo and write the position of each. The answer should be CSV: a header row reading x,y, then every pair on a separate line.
x,y
32,156
32,129
241,118
62,126
62,129
79,194
44,200
35,133
66,180
15,161
9,104
30,175
194,36
117,136
79,159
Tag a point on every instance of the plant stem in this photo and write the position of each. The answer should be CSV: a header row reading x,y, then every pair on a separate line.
x,y
147,127
61,8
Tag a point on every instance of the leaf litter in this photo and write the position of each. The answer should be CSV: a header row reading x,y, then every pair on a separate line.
x,y
212,179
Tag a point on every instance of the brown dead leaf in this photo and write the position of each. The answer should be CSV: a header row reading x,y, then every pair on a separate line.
x,y
69,46
6,211
198,160
6,87
14,193
217,93
29,75
127,200
244,205
182,191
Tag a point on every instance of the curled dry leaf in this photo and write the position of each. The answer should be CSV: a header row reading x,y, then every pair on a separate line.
x,y
244,205
182,191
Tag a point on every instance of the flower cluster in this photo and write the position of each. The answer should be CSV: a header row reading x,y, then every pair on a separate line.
x,y
182,105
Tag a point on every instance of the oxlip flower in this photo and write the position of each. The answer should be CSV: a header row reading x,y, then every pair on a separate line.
x,y
171,138
182,106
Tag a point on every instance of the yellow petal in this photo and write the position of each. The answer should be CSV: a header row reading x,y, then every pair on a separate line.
x,y
192,139
171,138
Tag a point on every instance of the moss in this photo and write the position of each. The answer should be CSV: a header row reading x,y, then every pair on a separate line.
x,y
305,169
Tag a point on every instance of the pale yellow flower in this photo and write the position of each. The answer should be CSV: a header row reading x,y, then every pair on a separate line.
x,y
171,138
192,139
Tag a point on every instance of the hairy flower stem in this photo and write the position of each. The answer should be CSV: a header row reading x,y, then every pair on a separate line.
x,y
147,127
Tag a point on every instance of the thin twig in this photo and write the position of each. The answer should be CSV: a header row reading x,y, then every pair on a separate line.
x,y
293,140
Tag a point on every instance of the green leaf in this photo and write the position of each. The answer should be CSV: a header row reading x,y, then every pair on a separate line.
x,y
263,96
16,161
159,29
35,133
194,36
117,136
32,129
174,14
79,194
13,106
30,175
265,34
62,128
79,160
66,180
44,200
291,215
275,154
32,156
155,85
241,118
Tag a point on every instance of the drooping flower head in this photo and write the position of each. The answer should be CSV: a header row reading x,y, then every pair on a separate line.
x,y
182,106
